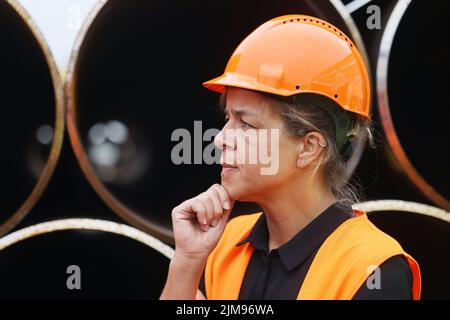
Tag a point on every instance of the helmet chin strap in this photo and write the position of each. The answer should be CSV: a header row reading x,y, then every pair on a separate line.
x,y
347,150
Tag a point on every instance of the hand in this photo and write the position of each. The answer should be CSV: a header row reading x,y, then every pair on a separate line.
x,y
198,223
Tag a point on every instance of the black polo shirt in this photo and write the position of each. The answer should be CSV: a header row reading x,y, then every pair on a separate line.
x,y
279,274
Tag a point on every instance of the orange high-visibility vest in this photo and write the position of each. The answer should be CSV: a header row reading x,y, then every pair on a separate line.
x,y
341,266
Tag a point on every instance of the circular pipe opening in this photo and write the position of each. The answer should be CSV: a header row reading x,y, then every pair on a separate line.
x,y
416,125
135,76
82,259
408,222
32,112
430,251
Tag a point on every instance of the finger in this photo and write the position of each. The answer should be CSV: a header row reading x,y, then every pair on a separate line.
x,y
223,195
207,201
200,209
185,211
227,212
218,210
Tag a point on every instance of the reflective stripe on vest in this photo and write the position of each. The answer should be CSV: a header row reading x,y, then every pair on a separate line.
x,y
341,266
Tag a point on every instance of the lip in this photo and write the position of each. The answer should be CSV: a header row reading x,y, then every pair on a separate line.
x,y
226,168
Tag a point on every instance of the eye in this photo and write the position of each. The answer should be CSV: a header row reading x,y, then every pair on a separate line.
x,y
246,125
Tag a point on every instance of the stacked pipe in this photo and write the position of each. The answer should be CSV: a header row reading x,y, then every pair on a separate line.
x,y
32,107
140,67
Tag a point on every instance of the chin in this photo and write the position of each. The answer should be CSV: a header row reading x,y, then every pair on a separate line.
x,y
238,191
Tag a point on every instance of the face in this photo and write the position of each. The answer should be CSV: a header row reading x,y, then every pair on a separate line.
x,y
258,156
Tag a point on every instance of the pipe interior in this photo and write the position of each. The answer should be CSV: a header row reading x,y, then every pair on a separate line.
x,y
418,99
427,239
28,110
139,72
111,267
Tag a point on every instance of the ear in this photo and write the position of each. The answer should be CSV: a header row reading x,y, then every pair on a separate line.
x,y
310,148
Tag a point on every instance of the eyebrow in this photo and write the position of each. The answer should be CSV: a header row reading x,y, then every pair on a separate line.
x,y
242,112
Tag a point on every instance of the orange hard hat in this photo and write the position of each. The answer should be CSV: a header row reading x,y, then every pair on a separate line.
x,y
296,54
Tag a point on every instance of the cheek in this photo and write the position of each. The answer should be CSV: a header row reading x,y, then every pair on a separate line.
x,y
250,172
257,148
246,150
264,164
248,183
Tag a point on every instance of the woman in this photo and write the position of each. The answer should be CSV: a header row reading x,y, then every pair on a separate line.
x,y
303,79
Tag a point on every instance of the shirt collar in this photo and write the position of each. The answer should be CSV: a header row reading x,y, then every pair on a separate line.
x,y
305,242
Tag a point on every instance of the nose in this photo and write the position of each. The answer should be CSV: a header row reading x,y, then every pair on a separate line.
x,y
224,140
